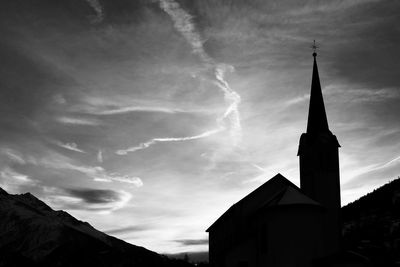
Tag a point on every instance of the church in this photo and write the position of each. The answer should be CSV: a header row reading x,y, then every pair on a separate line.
x,y
280,224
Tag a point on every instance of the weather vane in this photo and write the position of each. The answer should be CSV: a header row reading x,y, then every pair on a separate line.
x,y
314,47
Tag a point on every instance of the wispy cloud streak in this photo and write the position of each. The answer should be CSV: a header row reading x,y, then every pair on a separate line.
x,y
8,173
183,22
99,106
13,155
12,180
124,110
232,112
167,139
70,146
77,121
97,173
372,168
385,165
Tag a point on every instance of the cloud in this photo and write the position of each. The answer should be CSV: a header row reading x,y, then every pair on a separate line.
x,y
297,100
13,155
78,121
183,22
95,4
117,105
70,146
232,97
102,180
14,177
95,105
59,99
103,200
100,156
381,166
360,95
97,173
192,242
342,94
124,110
127,229
12,181
167,139
127,179
330,6
95,196
391,162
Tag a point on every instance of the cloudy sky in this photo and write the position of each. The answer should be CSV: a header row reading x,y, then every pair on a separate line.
x,y
150,118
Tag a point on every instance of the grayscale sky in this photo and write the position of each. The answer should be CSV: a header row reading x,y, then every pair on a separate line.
x,y
150,118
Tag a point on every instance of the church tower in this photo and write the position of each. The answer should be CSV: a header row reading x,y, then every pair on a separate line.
x,y
319,164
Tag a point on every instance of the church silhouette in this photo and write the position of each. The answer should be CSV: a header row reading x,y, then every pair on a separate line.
x,y
280,224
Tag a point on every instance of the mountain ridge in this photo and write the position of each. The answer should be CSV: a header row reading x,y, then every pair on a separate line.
x,y
32,233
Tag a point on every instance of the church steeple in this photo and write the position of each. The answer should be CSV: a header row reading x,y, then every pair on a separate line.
x,y
319,164
317,121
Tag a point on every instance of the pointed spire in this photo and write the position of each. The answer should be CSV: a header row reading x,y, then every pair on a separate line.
x,y
317,121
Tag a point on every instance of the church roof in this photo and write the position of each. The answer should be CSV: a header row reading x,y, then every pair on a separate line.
x,y
292,196
317,121
276,192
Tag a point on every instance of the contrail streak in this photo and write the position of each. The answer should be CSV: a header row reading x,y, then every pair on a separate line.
x,y
390,162
183,23
382,166
232,112
167,139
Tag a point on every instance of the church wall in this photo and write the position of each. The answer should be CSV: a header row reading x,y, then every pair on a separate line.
x,y
287,236
226,237
243,254
294,237
233,229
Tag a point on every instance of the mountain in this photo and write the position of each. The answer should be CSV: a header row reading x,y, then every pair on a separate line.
x,y
371,225
33,234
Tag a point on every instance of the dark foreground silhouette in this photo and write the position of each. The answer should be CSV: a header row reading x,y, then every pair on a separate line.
x,y
33,234
371,225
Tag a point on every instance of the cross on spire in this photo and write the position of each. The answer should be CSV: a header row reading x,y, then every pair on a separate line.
x,y
314,47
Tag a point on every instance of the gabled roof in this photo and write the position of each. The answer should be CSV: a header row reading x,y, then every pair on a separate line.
x,y
292,196
276,192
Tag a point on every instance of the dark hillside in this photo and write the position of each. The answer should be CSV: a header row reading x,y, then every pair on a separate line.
x,y
371,225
